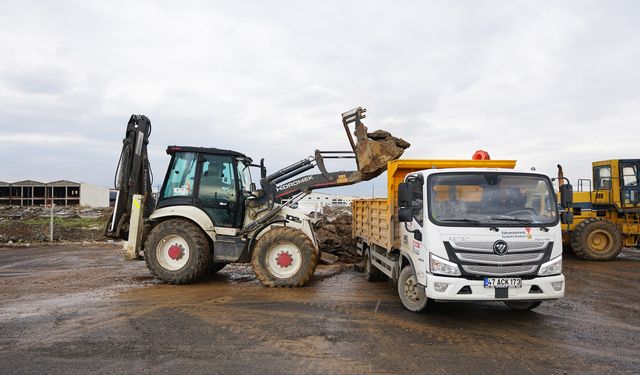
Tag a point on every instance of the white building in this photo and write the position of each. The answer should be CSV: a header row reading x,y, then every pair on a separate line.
x,y
316,201
62,193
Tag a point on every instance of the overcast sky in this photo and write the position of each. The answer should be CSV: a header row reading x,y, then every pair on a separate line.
x,y
543,82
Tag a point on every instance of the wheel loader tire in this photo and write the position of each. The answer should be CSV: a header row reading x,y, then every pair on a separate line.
x,y
284,257
177,252
596,239
371,273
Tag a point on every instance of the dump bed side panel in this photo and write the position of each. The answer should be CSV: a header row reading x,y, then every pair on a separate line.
x,y
372,221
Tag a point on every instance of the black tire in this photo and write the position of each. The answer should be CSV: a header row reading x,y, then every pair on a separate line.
x,y
412,295
290,243
596,239
522,305
183,232
371,273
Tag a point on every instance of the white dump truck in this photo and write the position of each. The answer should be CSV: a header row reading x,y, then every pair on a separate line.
x,y
464,230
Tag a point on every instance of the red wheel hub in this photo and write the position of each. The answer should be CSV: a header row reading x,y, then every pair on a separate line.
x,y
175,252
284,259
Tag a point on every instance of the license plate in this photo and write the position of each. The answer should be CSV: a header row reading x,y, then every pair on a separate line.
x,y
502,282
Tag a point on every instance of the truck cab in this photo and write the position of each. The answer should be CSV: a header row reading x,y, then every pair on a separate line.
x,y
482,235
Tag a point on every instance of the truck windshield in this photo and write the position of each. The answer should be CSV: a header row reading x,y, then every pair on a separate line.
x,y
491,199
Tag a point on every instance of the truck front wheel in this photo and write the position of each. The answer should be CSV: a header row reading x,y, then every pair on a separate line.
x,y
284,257
177,252
412,294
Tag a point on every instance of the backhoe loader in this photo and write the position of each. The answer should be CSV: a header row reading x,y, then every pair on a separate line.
x,y
209,213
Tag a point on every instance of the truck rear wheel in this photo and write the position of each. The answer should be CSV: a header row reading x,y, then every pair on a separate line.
x,y
177,251
371,273
412,294
522,305
596,239
284,257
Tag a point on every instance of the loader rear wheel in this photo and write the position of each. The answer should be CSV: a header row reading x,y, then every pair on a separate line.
x,y
177,252
596,239
371,273
284,257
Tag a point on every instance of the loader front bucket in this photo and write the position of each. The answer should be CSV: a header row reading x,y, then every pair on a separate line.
x,y
372,150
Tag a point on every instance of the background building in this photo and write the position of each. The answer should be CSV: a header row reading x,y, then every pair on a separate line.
x,y
316,201
62,192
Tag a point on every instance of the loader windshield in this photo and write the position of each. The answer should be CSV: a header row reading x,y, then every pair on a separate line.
x,y
491,199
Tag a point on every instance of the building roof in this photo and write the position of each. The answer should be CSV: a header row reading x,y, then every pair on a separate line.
x,y
2,183
62,183
28,183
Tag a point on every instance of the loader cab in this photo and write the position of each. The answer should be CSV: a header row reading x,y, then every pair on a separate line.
x,y
211,179
615,182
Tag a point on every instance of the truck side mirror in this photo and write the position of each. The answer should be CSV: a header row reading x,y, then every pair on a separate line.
x,y
566,196
566,217
404,195
405,214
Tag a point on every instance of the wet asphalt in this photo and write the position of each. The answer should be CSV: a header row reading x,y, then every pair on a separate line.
x,y
83,309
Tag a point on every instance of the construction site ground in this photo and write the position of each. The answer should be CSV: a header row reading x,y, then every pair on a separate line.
x,y
76,309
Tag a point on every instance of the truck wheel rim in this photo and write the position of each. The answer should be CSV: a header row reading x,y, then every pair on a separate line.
x,y
411,289
172,252
284,260
600,240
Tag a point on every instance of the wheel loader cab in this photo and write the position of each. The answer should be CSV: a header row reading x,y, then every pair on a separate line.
x,y
616,182
210,179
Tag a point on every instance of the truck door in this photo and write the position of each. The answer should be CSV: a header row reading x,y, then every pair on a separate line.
x,y
217,191
629,193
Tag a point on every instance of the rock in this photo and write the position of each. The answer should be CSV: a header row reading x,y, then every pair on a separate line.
x,y
375,149
326,258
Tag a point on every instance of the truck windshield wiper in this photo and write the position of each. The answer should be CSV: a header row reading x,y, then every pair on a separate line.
x,y
511,218
462,219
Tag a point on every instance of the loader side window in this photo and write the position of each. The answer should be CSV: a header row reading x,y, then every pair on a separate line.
x,y
180,181
602,177
217,192
630,175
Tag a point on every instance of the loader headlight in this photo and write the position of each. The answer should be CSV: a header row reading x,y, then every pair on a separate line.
x,y
552,267
440,266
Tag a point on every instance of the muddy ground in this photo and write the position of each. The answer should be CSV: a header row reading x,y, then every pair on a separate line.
x,y
77,310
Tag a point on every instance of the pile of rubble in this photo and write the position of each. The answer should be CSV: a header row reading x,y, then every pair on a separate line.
x,y
333,231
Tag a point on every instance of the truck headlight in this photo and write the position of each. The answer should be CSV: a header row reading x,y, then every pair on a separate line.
x,y
552,267
443,267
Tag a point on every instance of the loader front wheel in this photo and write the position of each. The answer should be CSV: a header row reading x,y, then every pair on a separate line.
x,y
596,239
284,257
177,252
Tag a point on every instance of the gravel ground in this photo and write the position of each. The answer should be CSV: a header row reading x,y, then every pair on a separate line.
x,y
83,309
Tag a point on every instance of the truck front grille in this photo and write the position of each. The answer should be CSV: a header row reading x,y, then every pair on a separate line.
x,y
477,259
499,270
500,259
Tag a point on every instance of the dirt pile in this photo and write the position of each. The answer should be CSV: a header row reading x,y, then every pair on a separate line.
x,y
21,225
375,149
334,237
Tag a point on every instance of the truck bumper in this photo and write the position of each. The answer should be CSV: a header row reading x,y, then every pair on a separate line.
x,y
549,287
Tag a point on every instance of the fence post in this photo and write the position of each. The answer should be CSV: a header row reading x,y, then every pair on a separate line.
x,y
51,223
